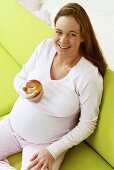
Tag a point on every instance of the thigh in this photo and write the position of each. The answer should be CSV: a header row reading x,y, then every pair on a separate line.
x,y
31,149
8,143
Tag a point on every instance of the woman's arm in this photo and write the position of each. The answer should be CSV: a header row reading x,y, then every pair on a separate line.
x,y
21,78
90,94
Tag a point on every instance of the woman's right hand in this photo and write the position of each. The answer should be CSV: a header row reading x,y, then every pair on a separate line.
x,y
34,97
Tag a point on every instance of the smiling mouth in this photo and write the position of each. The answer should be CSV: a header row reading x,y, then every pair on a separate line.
x,y
63,47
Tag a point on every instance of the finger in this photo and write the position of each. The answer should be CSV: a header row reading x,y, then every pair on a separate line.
x,y
38,165
32,164
41,93
34,157
44,167
38,94
32,95
50,166
37,98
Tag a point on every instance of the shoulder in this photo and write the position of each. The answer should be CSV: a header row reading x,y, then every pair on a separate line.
x,y
45,47
87,75
86,66
47,44
86,69
90,72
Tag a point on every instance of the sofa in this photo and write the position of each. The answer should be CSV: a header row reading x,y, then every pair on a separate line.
x,y
20,33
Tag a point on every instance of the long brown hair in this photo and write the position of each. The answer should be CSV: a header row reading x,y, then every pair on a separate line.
x,y
90,48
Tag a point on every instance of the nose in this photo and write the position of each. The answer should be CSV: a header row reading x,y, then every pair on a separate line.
x,y
63,39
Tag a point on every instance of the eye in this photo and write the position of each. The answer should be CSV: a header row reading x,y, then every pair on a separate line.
x,y
58,32
73,35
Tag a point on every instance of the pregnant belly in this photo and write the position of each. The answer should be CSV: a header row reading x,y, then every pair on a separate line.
x,y
35,126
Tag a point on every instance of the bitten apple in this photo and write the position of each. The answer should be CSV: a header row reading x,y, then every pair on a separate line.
x,y
33,85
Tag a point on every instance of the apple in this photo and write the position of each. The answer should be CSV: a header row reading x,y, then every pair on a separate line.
x,y
33,85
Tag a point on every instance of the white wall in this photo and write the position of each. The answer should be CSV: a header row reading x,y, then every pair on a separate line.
x,y
102,17
101,13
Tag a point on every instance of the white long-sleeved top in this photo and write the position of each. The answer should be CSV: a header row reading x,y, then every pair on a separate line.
x,y
55,119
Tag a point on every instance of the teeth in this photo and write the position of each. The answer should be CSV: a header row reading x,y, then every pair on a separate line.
x,y
63,47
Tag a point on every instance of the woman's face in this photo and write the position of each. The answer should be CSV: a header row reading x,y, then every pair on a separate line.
x,y
67,38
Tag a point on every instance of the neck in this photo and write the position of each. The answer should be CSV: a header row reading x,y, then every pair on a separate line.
x,y
69,62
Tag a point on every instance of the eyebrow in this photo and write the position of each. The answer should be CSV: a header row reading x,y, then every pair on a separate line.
x,y
69,31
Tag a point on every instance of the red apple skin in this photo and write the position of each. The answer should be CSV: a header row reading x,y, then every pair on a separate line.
x,y
33,85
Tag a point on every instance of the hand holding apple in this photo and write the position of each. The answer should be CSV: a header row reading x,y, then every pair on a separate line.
x,y
33,85
34,91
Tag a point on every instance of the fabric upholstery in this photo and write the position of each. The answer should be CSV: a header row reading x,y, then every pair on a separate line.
x,y
8,69
102,140
23,31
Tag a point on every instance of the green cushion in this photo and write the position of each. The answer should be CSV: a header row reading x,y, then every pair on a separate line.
x,y
15,160
80,157
103,138
8,70
20,30
2,117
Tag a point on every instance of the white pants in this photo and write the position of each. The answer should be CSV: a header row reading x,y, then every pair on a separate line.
x,y
11,143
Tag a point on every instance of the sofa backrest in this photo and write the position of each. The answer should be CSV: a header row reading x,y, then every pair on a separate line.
x,y
8,69
102,140
20,31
